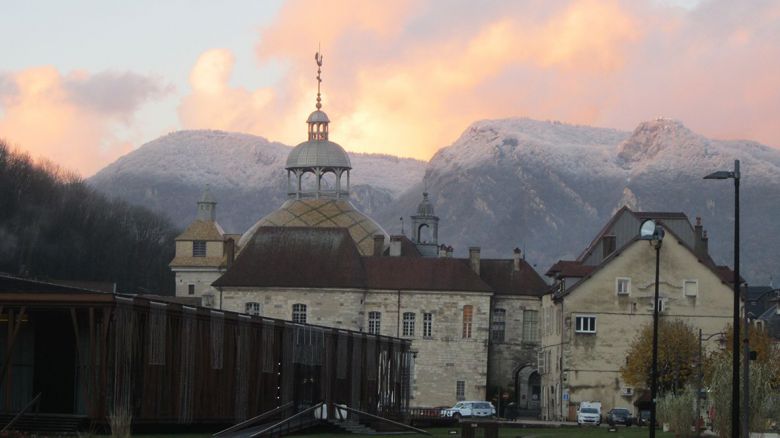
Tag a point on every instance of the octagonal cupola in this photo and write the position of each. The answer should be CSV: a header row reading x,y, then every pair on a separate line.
x,y
318,167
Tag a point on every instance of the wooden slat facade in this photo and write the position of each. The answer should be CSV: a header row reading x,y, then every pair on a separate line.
x,y
93,353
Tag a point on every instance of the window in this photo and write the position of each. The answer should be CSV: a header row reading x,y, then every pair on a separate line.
x,y
408,324
460,390
661,305
607,245
427,325
585,324
199,248
691,288
499,325
207,300
374,322
530,326
299,313
252,308
623,286
468,314
191,289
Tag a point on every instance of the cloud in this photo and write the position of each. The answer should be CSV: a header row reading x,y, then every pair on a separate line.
x,y
72,119
408,79
111,93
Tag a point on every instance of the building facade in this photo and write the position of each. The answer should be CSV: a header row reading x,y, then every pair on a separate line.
x,y
601,301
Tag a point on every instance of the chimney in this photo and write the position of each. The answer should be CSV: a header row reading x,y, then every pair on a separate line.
x,y
230,252
450,250
474,258
395,246
705,242
379,244
442,250
516,260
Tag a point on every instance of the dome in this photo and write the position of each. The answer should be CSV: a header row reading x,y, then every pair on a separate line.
x,y
425,208
322,213
318,117
318,153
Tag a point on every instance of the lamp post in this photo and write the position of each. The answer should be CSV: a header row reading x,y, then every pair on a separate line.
x,y
725,174
651,231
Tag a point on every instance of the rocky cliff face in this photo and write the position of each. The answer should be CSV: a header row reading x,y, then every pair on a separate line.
x,y
546,187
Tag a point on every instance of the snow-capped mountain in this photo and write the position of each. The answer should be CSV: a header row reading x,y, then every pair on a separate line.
x,y
245,173
549,187
546,187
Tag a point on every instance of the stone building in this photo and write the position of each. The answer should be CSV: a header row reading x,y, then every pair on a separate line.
x,y
473,323
600,302
202,253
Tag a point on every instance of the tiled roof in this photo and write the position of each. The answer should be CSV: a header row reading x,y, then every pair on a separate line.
x,y
202,230
421,273
322,213
569,268
503,279
297,257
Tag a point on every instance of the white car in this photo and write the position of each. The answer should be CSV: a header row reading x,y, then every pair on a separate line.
x,y
589,413
463,409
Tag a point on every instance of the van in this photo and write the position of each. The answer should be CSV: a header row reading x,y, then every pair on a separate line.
x,y
589,412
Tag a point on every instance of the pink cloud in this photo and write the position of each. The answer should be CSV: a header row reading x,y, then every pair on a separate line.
x,y
408,79
70,120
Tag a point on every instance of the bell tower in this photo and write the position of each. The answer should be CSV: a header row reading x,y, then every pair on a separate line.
x,y
425,228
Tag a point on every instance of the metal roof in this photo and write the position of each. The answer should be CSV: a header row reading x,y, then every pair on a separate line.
x,y
318,153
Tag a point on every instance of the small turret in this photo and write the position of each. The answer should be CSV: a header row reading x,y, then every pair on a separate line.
x,y
207,206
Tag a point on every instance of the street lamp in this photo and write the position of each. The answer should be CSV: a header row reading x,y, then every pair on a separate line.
x,y
725,174
651,231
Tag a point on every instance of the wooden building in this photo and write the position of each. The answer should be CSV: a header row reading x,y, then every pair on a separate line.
x,y
91,353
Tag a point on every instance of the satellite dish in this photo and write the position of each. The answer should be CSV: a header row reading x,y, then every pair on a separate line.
x,y
647,229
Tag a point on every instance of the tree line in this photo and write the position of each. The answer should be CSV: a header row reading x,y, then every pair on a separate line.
x,y
53,226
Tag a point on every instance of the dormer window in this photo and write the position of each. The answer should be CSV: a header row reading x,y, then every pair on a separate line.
x,y
608,245
199,248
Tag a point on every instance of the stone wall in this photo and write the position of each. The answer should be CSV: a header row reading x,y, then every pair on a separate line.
x,y
442,359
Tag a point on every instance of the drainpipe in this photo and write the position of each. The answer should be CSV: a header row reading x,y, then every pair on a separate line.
x,y
398,322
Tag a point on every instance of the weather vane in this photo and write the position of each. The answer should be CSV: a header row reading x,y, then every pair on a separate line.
x,y
318,59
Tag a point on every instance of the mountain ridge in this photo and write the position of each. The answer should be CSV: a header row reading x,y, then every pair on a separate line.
x,y
544,186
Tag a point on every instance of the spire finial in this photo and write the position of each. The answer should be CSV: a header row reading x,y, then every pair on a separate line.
x,y
318,60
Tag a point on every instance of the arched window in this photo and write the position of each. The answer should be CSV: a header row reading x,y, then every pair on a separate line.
x,y
299,313
468,315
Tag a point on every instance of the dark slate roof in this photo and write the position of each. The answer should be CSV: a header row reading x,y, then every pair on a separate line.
x,y
759,299
422,273
297,257
504,280
569,268
408,248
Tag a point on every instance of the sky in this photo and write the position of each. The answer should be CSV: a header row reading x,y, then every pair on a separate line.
x,y
84,82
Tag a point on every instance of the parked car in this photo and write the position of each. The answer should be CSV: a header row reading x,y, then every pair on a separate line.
x,y
589,412
619,416
463,409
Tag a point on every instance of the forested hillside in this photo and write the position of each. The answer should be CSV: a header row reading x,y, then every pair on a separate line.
x,y
53,226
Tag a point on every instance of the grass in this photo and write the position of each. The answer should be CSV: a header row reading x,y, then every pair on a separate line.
x,y
504,432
